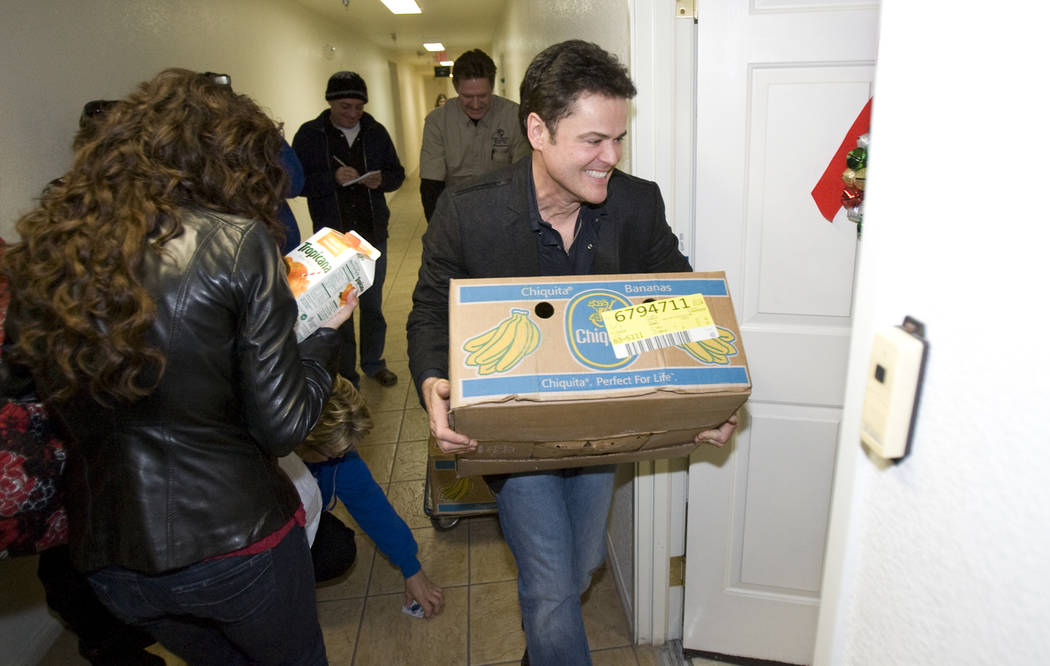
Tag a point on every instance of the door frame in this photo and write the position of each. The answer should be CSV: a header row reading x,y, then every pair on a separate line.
x,y
657,128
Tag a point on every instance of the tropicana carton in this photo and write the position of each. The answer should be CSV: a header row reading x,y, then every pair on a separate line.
x,y
321,271
538,381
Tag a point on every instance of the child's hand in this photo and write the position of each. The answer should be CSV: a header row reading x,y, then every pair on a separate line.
x,y
419,588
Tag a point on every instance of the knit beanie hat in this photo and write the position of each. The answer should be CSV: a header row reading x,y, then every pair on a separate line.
x,y
346,84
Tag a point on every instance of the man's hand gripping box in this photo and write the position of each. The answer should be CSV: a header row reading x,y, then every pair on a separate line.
x,y
536,380
321,271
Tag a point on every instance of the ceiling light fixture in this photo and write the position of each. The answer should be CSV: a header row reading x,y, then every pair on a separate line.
x,y
434,47
446,63
402,6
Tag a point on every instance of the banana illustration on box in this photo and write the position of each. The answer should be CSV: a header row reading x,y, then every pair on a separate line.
x,y
714,350
599,305
501,348
458,489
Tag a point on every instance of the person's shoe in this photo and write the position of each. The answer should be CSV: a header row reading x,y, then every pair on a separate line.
x,y
385,377
525,658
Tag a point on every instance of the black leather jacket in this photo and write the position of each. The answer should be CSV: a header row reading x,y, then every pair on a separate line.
x,y
190,472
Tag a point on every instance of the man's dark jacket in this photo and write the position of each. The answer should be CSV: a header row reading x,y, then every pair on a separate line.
x,y
483,231
311,145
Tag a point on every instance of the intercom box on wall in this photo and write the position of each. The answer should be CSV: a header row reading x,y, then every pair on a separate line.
x,y
891,397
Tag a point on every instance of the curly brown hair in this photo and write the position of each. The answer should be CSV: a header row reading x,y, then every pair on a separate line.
x,y
82,313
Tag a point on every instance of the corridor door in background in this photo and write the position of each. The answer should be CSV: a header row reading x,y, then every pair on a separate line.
x,y
779,82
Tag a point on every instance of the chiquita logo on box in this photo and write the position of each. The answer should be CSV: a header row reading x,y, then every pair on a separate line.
x,y
585,331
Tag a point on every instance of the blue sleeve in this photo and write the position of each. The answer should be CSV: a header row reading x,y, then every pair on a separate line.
x,y
349,479
294,168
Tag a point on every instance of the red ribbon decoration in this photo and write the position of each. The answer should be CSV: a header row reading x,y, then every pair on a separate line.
x,y
828,191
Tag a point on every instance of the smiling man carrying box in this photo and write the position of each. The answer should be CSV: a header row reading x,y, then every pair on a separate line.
x,y
565,210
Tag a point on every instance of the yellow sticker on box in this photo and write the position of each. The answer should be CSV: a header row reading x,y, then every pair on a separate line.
x,y
661,323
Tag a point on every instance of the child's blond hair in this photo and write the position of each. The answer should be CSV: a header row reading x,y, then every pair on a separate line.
x,y
343,424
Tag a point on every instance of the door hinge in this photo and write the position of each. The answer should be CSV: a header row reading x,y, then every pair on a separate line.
x,y
676,571
685,9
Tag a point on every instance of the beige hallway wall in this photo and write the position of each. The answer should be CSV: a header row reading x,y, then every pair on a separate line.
x,y
58,55
529,26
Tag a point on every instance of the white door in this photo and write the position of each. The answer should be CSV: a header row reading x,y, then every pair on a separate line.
x,y
779,84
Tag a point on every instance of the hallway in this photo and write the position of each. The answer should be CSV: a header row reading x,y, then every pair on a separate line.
x,y
361,613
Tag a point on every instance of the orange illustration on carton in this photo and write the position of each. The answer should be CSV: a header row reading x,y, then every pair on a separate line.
x,y
297,277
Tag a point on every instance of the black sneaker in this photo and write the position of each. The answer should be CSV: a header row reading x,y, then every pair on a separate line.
x,y
385,377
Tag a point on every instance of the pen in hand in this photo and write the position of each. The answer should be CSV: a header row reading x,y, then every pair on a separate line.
x,y
342,164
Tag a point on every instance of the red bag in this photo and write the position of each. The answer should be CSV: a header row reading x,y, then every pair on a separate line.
x,y
32,515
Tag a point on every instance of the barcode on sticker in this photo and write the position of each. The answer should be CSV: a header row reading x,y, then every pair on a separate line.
x,y
666,340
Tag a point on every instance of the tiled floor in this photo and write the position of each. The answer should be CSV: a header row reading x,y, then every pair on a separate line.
x,y
361,614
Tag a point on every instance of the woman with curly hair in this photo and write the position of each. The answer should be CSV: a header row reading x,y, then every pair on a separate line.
x,y
149,304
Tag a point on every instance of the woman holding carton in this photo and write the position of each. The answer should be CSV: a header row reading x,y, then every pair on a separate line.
x,y
149,304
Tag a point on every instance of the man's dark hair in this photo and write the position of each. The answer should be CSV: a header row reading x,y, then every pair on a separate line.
x,y
474,64
561,73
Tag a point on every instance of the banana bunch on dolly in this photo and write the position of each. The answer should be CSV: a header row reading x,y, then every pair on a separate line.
x,y
713,350
499,349
458,489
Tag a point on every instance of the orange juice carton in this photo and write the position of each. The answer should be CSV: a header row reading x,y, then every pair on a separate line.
x,y
322,270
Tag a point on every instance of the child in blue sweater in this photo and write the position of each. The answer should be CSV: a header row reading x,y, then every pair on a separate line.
x,y
330,454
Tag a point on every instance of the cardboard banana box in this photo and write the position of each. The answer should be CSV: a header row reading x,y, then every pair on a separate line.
x,y
321,270
535,378
453,495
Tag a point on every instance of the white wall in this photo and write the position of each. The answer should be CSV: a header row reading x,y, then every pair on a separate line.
x,y
530,26
945,557
58,55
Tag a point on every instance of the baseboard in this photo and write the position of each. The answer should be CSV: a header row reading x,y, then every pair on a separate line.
x,y
27,628
38,641
623,586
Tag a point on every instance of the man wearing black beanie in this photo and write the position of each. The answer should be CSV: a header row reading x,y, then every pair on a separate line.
x,y
350,162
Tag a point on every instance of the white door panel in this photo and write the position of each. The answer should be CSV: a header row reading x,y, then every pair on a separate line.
x,y
726,612
797,267
793,364
779,84
782,542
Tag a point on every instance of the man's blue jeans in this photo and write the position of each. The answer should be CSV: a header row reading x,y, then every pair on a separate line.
x,y
554,523
248,609
373,329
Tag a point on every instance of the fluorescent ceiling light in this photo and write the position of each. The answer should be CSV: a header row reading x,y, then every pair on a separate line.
x,y
434,46
402,6
446,63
